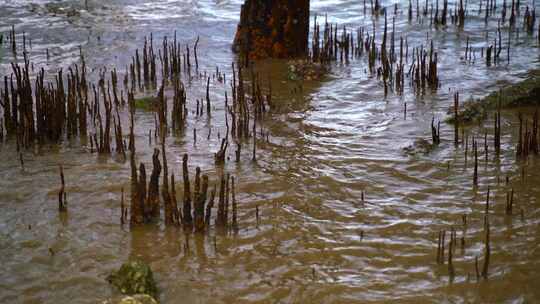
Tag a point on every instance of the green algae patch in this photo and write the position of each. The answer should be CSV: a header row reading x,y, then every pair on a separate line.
x,y
134,277
419,147
525,93
147,103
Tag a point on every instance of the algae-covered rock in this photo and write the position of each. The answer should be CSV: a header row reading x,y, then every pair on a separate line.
x,y
134,299
60,9
134,277
420,146
522,94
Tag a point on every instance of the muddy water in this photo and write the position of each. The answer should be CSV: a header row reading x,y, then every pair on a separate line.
x,y
316,241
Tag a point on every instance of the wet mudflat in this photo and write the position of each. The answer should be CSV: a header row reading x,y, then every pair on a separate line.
x,y
335,208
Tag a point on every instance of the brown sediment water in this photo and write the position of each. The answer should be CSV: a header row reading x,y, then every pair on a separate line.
x,y
301,229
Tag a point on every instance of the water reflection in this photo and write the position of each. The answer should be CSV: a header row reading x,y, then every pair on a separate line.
x,y
329,144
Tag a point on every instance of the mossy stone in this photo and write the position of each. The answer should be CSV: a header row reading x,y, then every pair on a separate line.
x,y
420,146
134,277
525,93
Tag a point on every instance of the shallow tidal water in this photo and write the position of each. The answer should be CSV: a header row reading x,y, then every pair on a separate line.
x,y
329,141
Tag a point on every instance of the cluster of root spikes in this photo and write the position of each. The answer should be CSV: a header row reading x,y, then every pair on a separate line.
x,y
64,106
55,108
39,111
388,58
194,212
528,137
446,251
527,145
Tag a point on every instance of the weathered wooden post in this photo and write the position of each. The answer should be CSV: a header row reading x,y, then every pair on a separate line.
x,y
273,28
